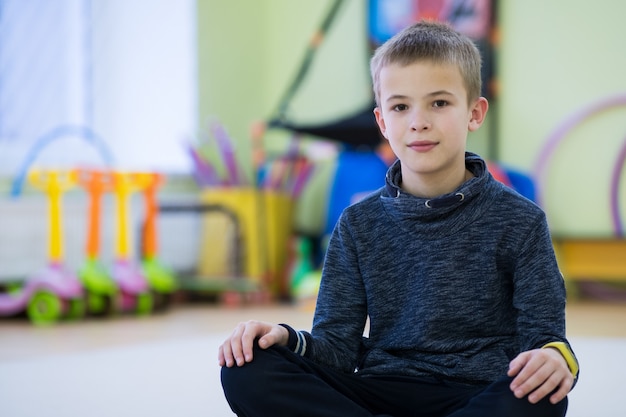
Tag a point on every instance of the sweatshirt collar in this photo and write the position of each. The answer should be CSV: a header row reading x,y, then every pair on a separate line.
x,y
442,215
473,163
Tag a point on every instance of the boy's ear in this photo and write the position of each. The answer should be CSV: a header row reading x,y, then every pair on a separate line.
x,y
478,113
380,121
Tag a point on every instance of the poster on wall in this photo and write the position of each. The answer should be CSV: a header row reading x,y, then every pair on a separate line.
x,y
474,18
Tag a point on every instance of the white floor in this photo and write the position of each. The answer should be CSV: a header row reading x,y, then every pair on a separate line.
x,y
171,378
181,378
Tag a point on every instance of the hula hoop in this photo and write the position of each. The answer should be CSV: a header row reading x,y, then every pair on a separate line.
x,y
615,181
561,132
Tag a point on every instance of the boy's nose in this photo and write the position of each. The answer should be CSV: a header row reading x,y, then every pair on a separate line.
x,y
420,123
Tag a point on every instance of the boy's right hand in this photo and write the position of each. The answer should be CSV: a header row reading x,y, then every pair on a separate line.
x,y
237,349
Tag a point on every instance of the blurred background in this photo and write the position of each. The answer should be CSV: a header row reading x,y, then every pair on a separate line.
x,y
170,167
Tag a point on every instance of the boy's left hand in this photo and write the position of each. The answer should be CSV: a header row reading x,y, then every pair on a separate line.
x,y
538,373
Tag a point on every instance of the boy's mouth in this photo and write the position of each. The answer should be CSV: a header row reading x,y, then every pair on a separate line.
x,y
422,145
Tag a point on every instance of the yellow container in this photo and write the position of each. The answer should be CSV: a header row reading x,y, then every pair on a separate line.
x,y
279,214
260,222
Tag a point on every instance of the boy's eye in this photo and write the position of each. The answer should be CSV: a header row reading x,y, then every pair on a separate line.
x,y
440,103
399,107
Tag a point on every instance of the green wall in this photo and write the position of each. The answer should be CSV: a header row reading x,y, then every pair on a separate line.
x,y
555,58
249,52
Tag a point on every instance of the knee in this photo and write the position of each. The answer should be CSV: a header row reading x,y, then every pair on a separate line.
x,y
504,402
253,378
522,407
237,377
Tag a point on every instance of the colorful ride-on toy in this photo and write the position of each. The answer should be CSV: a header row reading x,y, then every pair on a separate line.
x,y
102,291
46,297
161,279
54,292
135,289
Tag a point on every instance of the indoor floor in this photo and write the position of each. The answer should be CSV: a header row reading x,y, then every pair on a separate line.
x,y
165,364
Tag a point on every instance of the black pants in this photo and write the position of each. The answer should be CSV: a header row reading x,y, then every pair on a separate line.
x,y
280,383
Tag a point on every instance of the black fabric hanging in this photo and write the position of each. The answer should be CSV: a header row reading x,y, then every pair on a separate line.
x,y
358,130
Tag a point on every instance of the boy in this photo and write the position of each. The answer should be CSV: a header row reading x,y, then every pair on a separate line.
x,y
455,272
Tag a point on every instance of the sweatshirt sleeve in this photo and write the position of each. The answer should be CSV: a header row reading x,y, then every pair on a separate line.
x,y
539,290
341,311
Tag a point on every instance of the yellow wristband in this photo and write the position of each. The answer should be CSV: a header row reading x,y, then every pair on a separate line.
x,y
572,363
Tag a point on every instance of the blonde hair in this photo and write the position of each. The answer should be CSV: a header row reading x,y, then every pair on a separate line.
x,y
430,41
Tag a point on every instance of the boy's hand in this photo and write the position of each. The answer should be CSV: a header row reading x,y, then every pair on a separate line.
x,y
237,349
538,373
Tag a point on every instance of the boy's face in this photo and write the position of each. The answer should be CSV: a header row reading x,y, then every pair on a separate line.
x,y
424,114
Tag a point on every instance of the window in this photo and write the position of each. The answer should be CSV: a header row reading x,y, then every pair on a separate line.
x,y
125,70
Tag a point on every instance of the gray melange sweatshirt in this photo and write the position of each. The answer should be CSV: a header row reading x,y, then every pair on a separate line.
x,y
455,290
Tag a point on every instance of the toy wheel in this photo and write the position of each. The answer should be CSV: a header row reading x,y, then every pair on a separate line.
x,y
44,307
145,303
75,309
161,301
100,305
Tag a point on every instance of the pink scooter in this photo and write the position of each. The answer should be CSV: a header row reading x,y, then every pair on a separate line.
x,y
54,292
134,286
